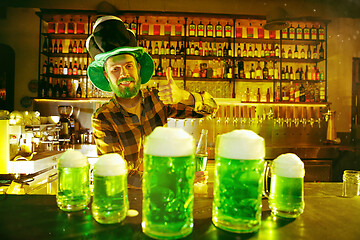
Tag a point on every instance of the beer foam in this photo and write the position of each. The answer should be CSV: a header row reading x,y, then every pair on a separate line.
x,y
288,165
169,142
111,164
240,144
72,158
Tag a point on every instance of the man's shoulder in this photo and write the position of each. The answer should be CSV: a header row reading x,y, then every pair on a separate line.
x,y
105,108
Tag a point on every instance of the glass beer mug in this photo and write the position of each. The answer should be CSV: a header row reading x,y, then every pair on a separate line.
x,y
239,176
286,197
73,181
169,172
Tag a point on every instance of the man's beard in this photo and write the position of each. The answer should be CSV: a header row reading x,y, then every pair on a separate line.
x,y
126,92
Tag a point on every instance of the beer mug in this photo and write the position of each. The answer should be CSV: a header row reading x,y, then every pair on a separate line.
x,y
73,181
239,173
286,198
169,172
110,197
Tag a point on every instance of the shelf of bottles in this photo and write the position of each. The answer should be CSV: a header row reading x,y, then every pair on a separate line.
x,y
227,56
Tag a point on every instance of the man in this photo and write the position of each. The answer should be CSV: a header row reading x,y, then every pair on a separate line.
x,y
133,113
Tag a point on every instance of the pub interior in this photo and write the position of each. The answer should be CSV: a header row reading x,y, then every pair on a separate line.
x,y
287,70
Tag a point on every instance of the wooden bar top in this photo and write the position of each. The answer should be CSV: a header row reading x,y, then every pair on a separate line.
x,y
327,215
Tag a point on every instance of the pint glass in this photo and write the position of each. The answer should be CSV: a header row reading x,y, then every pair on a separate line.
x,y
286,197
73,181
110,200
169,172
239,169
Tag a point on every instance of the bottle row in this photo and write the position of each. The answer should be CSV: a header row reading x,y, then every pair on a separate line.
x,y
61,88
65,69
227,69
208,49
70,27
241,30
57,46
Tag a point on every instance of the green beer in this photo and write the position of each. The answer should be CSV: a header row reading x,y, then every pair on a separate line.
x,y
286,197
110,198
169,172
239,169
73,181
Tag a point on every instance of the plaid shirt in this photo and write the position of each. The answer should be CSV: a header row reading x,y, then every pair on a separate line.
x,y
118,131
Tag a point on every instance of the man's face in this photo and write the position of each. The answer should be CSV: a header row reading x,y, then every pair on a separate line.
x,y
123,73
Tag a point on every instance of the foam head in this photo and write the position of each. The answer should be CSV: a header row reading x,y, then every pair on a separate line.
x,y
240,144
288,165
72,158
111,164
169,142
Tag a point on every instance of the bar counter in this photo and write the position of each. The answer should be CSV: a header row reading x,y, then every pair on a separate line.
x,y
327,215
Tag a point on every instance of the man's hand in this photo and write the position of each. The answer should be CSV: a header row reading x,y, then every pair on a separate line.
x,y
171,94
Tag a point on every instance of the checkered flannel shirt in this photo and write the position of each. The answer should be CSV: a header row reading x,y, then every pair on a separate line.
x,y
118,131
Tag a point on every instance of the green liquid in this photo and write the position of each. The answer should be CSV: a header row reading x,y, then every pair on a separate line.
x,y
200,162
237,194
110,199
73,188
286,196
168,196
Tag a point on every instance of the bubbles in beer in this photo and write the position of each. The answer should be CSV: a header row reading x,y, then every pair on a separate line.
x,y
169,142
241,144
72,158
288,165
111,164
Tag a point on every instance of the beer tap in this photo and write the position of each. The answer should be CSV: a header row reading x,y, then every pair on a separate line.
x,y
297,122
312,121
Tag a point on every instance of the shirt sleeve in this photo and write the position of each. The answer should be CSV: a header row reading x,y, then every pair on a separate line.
x,y
106,138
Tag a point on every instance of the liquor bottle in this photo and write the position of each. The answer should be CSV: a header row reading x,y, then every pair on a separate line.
x,y
61,26
61,68
283,73
150,50
64,91
178,29
238,31
144,45
51,67
159,69
277,93
317,94
315,53
167,29
51,26
258,71
321,33
272,34
60,46
302,96
56,68
265,72
256,52
267,50
260,31
322,75
284,33
209,30
241,70
133,26
322,92
126,24
74,50
244,52
79,70
50,46
314,33
297,93
277,51
45,68
182,50
271,72
200,29
71,27
306,31
238,51
78,90
196,50
187,48
296,53
250,52
66,69
192,48
268,96
201,50
250,31
308,53
172,50
252,71
297,74
145,28
321,52
45,46
276,71
75,69
313,73
182,68
50,88
272,51
70,70
317,74
219,51
291,92
262,51
192,29
213,50
289,55
229,50
227,29
291,74
83,72
299,33
80,27
57,88
156,50
287,73
285,93
70,47
157,29
302,53
175,68
258,95
218,30
80,48
167,49
206,49
291,31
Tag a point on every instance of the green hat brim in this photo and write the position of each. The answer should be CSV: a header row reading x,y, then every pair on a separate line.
x,y
96,68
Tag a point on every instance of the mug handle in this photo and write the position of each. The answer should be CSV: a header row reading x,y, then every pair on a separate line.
x,y
267,176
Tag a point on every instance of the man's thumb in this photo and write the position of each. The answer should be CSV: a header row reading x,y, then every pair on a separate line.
x,y
169,75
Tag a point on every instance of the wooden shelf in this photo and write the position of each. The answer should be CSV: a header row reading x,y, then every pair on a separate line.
x,y
65,54
65,36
